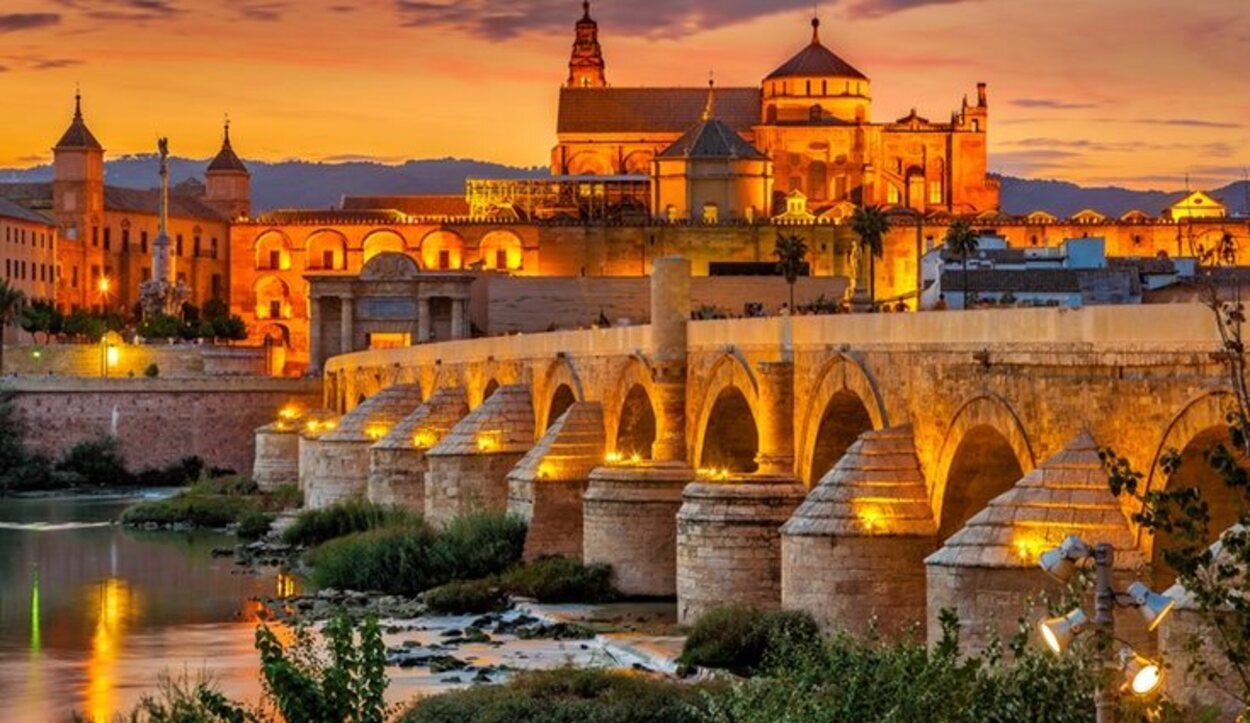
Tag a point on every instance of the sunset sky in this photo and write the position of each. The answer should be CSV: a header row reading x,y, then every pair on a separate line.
x,y
1125,92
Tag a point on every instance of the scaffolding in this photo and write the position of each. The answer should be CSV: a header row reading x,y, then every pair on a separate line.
x,y
583,198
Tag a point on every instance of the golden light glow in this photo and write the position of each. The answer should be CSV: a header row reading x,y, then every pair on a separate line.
x,y
1146,678
1028,546
635,458
329,425
713,474
424,438
105,284
289,412
613,457
113,355
114,603
488,441
376,431
871,518
286,585
545,470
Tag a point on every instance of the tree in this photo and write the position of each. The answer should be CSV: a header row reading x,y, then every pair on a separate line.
x,y
1218,581
11,303
41,317
962,241
791,253
871,225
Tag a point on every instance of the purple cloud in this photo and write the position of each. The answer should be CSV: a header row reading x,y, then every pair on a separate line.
x,y
14,22
879,8
125,10
1050,103
263,11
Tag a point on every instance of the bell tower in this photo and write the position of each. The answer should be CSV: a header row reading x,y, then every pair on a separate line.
x,y
78,178
228,182
586,65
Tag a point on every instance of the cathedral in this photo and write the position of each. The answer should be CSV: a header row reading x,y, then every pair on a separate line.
x,y
806,131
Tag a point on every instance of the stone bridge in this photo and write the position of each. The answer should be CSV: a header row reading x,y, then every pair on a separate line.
x,y
863,467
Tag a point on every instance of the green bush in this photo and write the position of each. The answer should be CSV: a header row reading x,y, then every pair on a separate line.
x,y
745,640
285,497
176,474
228,485
562,579
472,597
408,557
567,695
214,511
254,524
97,462
314,527
480,544
394,560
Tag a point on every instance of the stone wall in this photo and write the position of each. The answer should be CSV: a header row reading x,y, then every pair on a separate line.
x,y
158,421
175,361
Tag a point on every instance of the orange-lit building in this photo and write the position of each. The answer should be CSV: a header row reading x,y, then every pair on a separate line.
x,y
105,232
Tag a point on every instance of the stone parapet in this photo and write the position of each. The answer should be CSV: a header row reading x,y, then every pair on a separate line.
x,y
630,523
546,486
729,545
397,464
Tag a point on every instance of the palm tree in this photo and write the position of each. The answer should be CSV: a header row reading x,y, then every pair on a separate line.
x,y
11,302
962,241
871,225
791,253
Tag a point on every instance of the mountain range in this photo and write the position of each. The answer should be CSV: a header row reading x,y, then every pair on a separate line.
x,y
303,184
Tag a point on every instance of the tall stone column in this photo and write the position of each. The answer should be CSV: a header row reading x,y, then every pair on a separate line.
x,y
347,342
316,352
457,319
776,418
423,319
670,316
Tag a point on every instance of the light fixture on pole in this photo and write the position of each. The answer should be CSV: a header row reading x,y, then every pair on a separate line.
x,y
1141,676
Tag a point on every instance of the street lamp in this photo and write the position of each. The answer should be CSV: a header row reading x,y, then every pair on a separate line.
x,y
1141,676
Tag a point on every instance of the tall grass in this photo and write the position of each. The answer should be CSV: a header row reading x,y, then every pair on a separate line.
x,y
314,527
409,557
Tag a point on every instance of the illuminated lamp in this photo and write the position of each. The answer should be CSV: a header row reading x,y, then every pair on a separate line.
x,y
376,431
1152,606
113,355
1059,632
613,457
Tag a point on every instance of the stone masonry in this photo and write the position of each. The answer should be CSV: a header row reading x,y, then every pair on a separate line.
x,y
397,464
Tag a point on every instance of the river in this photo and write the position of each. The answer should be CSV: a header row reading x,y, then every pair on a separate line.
x,y
92,613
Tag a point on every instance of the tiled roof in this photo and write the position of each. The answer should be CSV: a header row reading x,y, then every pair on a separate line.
x,y
712,138
877,488
1041,281
134,200
78,135
502,424
30,194
226,160
329,217
12,210
652,110
1067,494
424,205
816,61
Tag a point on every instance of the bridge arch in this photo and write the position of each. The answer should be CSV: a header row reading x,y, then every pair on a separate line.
x,y
1199,427
985,452
561,387
632,420
727,434
843,403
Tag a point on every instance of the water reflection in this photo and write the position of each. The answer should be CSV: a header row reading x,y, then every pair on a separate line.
x,y
114,603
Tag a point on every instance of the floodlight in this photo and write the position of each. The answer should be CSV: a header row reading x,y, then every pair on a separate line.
x,y
1060,562
1152,606
1141,675
1059,632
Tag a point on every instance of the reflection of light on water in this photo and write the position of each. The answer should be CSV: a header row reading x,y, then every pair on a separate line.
x,y
114,603
286,585
35,640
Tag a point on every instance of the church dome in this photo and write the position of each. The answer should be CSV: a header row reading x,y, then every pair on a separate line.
x,y
816,61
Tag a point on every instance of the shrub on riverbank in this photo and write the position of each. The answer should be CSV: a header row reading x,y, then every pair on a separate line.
x,y
567,695
411,557
314,527
212,503
744,639
466,597
561,580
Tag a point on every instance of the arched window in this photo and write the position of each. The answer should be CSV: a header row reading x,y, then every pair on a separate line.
x,y
442,250
327,251
382,242
501,251
272,253
273,298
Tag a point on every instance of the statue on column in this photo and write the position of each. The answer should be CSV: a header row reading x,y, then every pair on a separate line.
x,y
163,293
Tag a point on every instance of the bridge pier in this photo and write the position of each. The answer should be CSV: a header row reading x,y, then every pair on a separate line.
x,y
314,425
397,464
340,468
547,485
987,571
277,455
468,469
853,553
728,547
